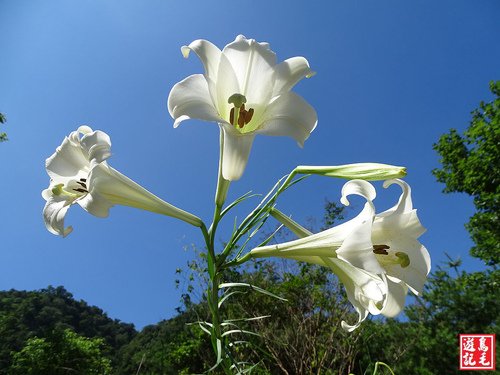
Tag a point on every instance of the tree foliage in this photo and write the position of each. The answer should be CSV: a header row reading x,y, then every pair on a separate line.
x,y
3,120
173,346
28,314
301,335
427,343
62,352
470,164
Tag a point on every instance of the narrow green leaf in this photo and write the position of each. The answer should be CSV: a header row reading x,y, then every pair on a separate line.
x,y
252,287
230,332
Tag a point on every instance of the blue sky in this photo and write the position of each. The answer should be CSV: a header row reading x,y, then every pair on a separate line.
x,y
392,76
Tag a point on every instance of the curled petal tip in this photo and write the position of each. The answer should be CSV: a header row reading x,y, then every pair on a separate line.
x,y
185,50
67,231
85,129
397,181
179,119
344,201
347,327
311,74
358,187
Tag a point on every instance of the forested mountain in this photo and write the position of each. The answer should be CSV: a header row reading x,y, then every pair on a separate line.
x,y
28,314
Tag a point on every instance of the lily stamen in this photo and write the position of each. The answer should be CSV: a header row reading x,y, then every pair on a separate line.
x,y
381,249
231,116
404,259
241,117
60,190
398,257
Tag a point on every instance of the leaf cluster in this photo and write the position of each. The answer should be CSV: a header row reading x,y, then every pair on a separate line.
x,y
173,346
470,164
60,353
3,120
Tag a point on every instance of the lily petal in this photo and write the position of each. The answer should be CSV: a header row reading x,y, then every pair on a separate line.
x,y
190,98
224,87
399,228
289,72
68,161
95,204
416,273
402,215
364,290
404,203
253,63
357,248
358,187
308,259
236,151
97,146
54,212
395,299
209,55
289,115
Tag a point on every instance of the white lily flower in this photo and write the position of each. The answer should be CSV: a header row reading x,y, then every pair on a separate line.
x,y
368,252
246,92
388,243
79,174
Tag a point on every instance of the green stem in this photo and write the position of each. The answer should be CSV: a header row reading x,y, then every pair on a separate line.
x,y
214,270
218,342
222,184
217,262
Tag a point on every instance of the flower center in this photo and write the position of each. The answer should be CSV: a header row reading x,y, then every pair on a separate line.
x,y
73,189
239,116
391,257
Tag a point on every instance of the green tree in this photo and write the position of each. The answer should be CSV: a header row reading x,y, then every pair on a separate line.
x,y
171,347
26,314
62,352
3,120
454,301
470,164
427,343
